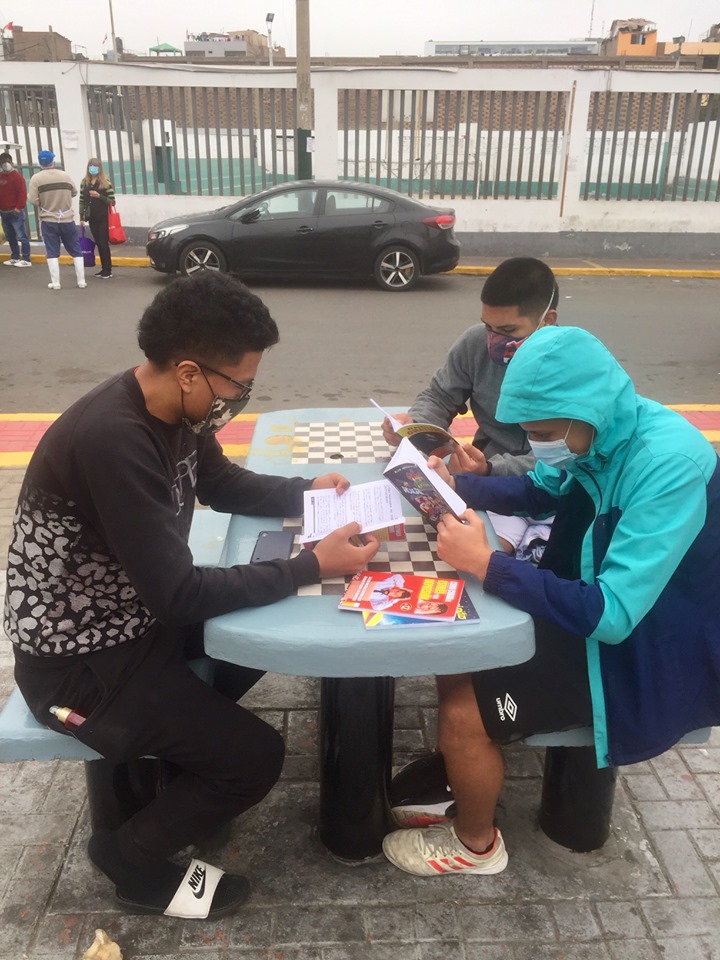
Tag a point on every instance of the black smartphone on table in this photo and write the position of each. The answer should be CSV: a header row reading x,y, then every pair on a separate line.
x,y
273,545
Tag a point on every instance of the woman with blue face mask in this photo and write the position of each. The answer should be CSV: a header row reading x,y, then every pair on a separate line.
x,y
96,197
625,600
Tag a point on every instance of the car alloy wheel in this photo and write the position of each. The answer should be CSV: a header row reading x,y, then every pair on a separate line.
x,y
201,256
397,269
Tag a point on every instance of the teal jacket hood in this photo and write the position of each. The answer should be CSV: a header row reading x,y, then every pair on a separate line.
x,y
567,372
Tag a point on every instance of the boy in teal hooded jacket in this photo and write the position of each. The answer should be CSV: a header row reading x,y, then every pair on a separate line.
x,y
634,616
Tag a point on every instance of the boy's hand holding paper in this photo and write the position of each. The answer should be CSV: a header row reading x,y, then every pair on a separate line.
x,y
337,555
428,438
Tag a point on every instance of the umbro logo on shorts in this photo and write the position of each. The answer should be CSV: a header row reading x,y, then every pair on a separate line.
x,y
508,707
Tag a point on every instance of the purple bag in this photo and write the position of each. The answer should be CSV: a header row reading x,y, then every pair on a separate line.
x,y
88,248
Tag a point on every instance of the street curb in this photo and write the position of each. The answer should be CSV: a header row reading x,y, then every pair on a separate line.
x,y
480,271
607,272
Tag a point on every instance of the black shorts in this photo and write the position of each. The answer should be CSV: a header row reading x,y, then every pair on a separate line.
x,y
547,693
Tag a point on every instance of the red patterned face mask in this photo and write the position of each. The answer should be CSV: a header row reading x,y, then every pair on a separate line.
x,y
502,349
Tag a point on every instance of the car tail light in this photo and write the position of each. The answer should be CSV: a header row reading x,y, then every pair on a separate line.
x,y
443,221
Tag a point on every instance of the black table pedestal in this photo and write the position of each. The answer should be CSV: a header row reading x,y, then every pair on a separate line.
x,y
355,738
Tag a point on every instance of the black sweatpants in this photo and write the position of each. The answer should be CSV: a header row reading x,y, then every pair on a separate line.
x,y
142,699
99,229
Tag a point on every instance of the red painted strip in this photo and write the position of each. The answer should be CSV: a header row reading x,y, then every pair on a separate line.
x,y
237,432
22,435
19,435
702,419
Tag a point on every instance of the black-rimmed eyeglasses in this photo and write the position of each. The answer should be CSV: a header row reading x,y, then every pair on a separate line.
x,y
244,387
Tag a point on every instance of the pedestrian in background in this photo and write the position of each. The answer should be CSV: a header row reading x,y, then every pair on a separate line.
x,y
96,197
13,197
53,190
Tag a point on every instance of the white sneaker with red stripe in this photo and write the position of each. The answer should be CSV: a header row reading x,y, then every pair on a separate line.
x,y
437,850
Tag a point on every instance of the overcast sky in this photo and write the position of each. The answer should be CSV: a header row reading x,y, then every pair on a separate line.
x,y
354,27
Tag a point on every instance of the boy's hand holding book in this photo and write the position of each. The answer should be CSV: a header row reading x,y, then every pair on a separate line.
x,y
468,459
389,435
442,470
463,544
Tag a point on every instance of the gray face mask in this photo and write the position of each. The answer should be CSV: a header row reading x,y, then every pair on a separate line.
x,y
221,411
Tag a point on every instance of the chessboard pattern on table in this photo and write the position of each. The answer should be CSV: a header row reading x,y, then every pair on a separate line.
x,y
417,554
348,442
337,443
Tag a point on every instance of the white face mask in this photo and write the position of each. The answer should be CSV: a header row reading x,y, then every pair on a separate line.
x,y
555,453
7,167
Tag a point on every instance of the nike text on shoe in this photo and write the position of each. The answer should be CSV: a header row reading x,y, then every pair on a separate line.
x,y
437,851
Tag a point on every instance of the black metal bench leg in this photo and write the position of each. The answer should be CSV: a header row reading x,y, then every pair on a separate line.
x,y
356,735
116,791
577,798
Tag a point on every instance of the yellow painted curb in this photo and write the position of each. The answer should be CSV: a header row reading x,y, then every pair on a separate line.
x,y
20,458
479,271
28,417
117,261
606,272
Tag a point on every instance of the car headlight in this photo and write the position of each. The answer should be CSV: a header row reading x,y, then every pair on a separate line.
x,y
160,232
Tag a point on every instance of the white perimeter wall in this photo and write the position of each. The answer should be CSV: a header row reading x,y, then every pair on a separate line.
x,y
565,214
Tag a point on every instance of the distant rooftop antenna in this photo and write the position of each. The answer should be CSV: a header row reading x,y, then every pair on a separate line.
x,y
592,17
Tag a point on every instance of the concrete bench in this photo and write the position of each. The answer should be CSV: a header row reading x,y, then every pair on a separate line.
x,y
583,737
577,798
23,738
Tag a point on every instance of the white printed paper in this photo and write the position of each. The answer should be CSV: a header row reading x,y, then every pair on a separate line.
x,y
373,505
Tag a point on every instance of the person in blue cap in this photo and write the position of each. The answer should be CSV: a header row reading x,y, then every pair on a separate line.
x,y
52,191
627,619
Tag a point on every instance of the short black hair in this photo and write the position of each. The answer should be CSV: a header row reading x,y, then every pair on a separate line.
x,y
522,282
210,317
5,156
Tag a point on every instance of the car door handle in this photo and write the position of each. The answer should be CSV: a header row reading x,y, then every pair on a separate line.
x,y
305,229
379,223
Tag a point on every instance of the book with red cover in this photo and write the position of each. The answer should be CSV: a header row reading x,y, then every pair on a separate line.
x,y
404,595
466,613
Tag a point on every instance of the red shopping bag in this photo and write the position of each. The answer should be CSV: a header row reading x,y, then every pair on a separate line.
x,y
116,234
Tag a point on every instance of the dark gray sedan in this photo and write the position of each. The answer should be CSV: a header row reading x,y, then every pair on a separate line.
x,y
323,228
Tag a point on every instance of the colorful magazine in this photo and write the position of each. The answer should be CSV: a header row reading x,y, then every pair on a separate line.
x,y
403,594
466,613
422,487
428,438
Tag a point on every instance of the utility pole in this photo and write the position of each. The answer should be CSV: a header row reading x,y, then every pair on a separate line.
x,y
303,157
112,32
269,21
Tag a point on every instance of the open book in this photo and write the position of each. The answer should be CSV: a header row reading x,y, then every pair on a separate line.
x,y
422,487
403,594
428,438
377,505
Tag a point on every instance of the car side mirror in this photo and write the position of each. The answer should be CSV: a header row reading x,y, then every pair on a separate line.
x,y
251,216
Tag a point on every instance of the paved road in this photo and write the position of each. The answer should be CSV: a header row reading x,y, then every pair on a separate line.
x,y
341,344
